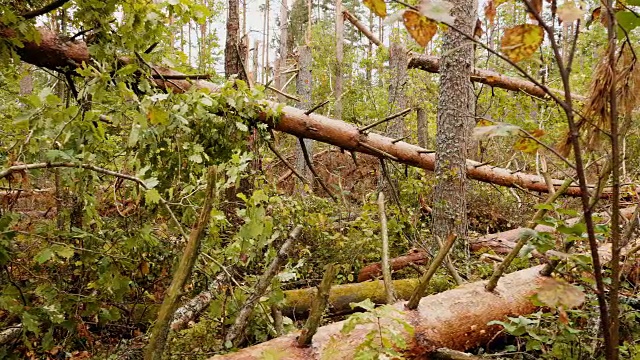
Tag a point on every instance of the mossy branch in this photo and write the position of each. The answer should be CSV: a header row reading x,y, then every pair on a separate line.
x,y
242,319
317,308
424,281
160,329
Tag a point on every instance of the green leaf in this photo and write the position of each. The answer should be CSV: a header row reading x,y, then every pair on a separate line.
x,y
63,251
152,196
628,21
45,255
30,323
196,158
366,304
151,182
127,70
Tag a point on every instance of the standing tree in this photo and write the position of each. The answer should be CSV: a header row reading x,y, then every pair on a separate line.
x,y
454,105
234,64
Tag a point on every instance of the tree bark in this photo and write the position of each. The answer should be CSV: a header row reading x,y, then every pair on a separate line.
x,y
397,97
454,105
456,319
303,86
339,58
423,128
233,62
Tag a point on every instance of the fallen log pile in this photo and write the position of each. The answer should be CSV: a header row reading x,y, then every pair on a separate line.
x,y
55,53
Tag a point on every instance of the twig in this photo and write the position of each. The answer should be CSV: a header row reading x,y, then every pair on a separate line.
x,y
524,237
308,112
386,271
399,139
452,269
307,159
424,280
43,10
291,167
378,151
288,96
388,118
261,287
318,307
448,354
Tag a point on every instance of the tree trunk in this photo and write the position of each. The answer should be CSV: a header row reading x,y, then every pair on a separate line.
x,y
397,98
455,319
339,58
303,86
281,62
423,128
449,203
233,63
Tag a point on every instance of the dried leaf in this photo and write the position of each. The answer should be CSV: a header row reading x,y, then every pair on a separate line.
x,y
437,10
558,294
379,7
569,12
477,31
496,129
537,133
537,8
521,41
419,27
484,122
490,12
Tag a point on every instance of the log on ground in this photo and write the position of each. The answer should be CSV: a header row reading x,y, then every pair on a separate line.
x,y
456,319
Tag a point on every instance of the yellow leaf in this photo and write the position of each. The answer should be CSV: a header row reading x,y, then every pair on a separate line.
x,y
419,27
526,145
520,42
484,122
379,7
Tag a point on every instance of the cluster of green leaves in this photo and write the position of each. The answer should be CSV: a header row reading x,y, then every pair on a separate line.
x,y
384,340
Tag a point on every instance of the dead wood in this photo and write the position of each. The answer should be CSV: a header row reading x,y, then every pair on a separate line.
x,y
373,271
456,319
55,53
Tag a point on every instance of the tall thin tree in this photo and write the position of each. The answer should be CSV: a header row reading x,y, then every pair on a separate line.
x,y
454,105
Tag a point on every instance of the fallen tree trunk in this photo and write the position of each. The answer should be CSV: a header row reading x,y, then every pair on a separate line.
x,y
456,319
298,302
55,53
431,64
372,271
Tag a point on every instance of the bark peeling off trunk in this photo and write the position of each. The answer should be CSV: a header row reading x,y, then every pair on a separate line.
x,y
456,319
